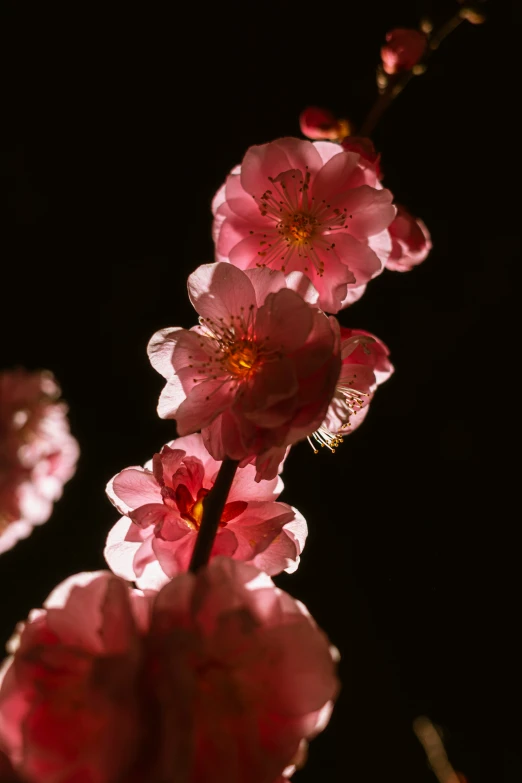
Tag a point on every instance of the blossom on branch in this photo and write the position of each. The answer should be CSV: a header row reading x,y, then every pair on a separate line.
x,y
403,50
163,507
317,123
411,241
37,452
258,373
294,205
218,677
365,365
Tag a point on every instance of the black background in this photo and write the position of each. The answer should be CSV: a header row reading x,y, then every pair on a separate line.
x,y
122,125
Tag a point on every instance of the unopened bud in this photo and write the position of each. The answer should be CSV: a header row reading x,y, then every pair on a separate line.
x,y
317,123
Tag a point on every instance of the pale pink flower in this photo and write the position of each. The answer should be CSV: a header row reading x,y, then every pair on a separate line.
x,y
37,452
365,365
403,49
411,241
163,505
219,677
295,205
317,123
258,373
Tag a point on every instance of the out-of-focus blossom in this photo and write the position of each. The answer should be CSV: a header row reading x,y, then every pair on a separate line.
x,y
295,205
218,677
37,452
259,372
411,241
163,505
7,773
369,157
365,365
317,123
403,50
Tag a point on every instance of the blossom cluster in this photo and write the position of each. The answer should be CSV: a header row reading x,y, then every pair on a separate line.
x,y
174,665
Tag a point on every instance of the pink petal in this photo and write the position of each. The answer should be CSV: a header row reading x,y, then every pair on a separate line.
x,y
284,321
169,462
326,149
194,445
119,553
219,291
206,401
171,398
334,177
252,249
131,488
160,350
352,295
358,257
149,514
333,285
191,475
370,211
265,281
281,555
300,283
275,382
270,160
244,486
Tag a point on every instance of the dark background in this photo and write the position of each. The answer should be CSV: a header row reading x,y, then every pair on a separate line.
x,y
122,125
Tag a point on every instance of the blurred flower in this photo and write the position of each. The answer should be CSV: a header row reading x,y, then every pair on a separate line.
x,y
259,372
219,677
163,505
319,123
411,241
365,365
403,49
37,452
312,208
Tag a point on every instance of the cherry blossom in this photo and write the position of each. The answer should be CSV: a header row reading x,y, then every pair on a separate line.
x,y
259,371
220,676
163,506
37,452
294,205
365,365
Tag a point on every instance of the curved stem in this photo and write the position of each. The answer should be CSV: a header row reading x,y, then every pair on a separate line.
x,y
397,84
212,509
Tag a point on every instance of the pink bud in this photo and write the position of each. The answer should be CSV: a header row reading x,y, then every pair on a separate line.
x,y
403,50
319,123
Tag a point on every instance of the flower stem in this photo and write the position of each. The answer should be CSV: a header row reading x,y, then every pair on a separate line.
x,y
396,84
212,509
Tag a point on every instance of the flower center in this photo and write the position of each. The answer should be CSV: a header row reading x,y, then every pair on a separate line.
x,y
298,227
241,358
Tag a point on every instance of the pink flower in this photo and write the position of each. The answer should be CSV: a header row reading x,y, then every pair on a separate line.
x,y
319,123
37,452
313,208
403,49
259,372
219,677
411,241
163,504
365,365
